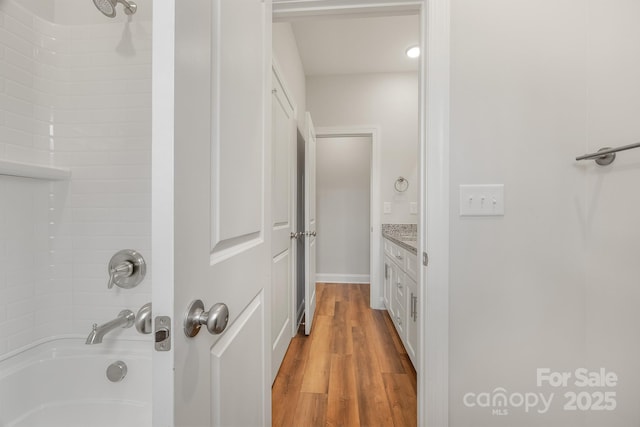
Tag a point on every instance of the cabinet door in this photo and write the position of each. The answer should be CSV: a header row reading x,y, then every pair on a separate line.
x,y
398,302
387,282
411,341
386,289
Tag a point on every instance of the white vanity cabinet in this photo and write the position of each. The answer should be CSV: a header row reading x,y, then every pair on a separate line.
x,y
400,294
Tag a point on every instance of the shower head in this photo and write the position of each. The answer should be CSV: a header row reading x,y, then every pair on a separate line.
x,y
108,7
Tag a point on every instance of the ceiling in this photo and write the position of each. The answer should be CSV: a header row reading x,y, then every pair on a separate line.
x,y
347,45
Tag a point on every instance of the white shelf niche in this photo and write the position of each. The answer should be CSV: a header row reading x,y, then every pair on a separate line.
x,y
34,171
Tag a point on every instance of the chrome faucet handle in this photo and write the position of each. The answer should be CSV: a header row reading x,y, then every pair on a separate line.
x,y
126,269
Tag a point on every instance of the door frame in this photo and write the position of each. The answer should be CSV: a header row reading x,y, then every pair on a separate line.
x,y
162,190
433,345
293,170
375,251
433,191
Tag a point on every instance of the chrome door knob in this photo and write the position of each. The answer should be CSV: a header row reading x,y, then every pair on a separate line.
x,y
215,319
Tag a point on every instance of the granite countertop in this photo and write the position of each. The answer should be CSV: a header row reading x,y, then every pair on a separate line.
x,y
404,235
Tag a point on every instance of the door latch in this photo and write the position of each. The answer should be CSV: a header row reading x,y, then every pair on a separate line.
x,y
162,334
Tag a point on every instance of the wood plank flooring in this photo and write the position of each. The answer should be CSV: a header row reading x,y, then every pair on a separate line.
x,y
351,371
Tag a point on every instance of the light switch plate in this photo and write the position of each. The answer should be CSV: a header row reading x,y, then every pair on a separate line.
x,y
413,208
482,200
387,207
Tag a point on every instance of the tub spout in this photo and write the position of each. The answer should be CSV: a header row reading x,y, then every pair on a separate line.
x,y
124,320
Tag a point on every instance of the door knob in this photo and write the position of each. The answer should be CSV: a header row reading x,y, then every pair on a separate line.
x,y
215,319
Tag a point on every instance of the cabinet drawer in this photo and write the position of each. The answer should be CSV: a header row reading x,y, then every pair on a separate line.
x,y
389,248
411,265
400,255
399,291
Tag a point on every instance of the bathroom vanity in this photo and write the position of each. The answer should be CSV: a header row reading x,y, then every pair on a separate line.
x,y
400,289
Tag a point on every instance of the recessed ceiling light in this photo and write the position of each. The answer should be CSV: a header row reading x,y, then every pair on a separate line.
x,y
413,52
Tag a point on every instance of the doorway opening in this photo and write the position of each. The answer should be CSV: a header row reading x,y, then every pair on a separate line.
x,y
325,97
360,190
344,206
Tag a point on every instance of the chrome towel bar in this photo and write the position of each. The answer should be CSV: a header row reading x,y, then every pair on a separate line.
x,y
606,156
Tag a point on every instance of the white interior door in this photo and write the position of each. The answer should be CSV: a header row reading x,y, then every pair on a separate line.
x,y
213,229
310,226
283,139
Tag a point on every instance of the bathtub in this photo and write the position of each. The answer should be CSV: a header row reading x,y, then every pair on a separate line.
x,y
63,383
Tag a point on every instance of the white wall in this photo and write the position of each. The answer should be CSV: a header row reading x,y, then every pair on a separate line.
x,y
610,217
387,100
286,55
553,283
75,95
343,208
102,128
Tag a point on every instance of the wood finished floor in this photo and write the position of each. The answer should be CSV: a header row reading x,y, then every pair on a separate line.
x,y
351,371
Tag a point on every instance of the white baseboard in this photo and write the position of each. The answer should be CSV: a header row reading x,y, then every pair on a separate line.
x,y
342,278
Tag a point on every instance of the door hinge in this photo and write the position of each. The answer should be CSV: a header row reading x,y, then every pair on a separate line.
x,y
425,259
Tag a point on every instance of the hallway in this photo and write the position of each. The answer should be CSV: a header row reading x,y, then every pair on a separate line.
x,y
351,371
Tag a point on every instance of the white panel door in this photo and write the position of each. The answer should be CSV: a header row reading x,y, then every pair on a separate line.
x,y
221,212
283,140
310,226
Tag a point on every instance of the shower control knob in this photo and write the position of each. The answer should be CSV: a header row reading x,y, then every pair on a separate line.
x,y
126,269
215,319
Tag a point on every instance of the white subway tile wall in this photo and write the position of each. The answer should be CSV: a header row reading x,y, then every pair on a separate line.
x,y
76,95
